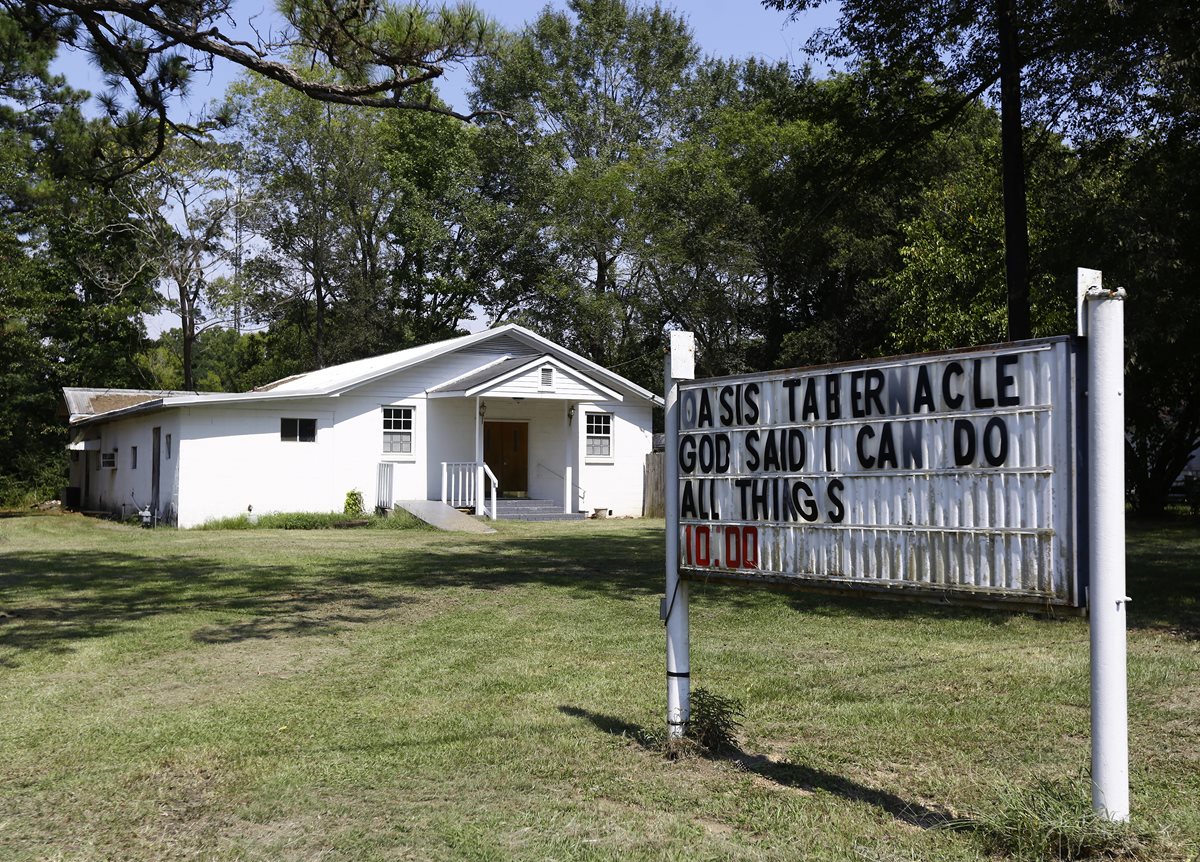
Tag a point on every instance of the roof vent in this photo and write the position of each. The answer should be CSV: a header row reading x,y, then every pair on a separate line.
x,y
547,377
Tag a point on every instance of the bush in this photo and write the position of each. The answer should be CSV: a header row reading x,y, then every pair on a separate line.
x,y
713,722
313,521
354,504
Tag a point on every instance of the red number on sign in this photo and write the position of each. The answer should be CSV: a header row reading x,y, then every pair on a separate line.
x,y
703,546
749,547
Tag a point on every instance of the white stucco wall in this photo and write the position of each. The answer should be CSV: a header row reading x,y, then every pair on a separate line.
x,y
232,459
229,458
616,483
124,489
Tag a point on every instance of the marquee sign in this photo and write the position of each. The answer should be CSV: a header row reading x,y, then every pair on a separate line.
x,y
948,474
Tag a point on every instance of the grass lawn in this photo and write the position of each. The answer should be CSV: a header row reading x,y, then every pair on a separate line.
x,y
378,694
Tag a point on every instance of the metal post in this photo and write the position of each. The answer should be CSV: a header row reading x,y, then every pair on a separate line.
x,y
680,365
568,412
1104,325
478,472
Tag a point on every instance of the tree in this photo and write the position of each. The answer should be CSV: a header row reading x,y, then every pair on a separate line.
x,y
370,226
181,210
1081,69
1142,228
594,96
380,54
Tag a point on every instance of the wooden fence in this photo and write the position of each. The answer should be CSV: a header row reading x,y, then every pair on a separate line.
x,y
654,479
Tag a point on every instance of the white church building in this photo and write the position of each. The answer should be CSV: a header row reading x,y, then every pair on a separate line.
x,y
495,415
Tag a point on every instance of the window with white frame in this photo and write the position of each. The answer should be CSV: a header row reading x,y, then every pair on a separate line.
x,y
298,430
397,430
109,459
599,435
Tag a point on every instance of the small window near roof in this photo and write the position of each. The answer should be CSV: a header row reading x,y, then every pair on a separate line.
x,y
168,447
599,435
109,459
547,377
133,457
298,430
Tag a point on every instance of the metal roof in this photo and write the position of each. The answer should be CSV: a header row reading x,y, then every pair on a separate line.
x,y
512,338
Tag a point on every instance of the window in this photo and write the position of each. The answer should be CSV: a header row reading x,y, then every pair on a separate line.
x,y
397,430
168,447
298,430
599,435
133,457
547,377
109,459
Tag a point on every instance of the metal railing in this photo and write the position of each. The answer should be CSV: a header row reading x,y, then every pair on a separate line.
x,y
383,486
574,485
460,484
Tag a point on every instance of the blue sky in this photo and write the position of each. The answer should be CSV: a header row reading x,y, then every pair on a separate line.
x,y
735,28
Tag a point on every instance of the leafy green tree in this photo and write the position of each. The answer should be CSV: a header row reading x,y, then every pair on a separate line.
x,y
1142,229
1081,69
593,94
370,223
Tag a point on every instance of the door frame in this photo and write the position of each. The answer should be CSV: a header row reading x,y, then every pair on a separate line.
x,y
498,421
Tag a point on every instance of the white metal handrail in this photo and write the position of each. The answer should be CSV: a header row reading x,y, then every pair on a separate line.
x,y
575,485
493,484
460,483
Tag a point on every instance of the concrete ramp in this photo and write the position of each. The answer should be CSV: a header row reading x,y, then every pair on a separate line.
x,y
438,514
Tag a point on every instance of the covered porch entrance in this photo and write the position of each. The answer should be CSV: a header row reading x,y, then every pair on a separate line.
x,y
526,417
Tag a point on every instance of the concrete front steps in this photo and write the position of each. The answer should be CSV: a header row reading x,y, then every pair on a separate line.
x,y
533,510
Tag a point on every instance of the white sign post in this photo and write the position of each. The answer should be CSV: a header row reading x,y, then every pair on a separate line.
x,y
680,365
1102,321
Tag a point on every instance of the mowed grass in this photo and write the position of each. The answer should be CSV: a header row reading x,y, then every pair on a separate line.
x,y
359,694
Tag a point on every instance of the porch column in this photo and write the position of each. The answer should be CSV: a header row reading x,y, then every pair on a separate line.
x,y
478,458
568,485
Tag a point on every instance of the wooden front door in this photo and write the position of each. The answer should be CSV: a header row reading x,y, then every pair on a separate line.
x,y
506,451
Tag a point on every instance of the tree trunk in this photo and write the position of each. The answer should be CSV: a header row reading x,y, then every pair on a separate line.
x,y
1016,230
189,339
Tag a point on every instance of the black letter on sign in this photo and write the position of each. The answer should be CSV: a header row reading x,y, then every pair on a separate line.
x,y
751,444
723,447
964,442
887,447
1004,381
997,455
833,398
790,386
726,401
865,433
952,401
923,397
751,404
687,454
811,410
977,385
837,514
874,392
857,408
704,418
687,501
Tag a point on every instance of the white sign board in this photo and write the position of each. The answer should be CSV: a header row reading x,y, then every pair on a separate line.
x,y
938,475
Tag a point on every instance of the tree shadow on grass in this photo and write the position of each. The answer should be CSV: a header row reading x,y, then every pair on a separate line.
x,y
51,600
787,774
